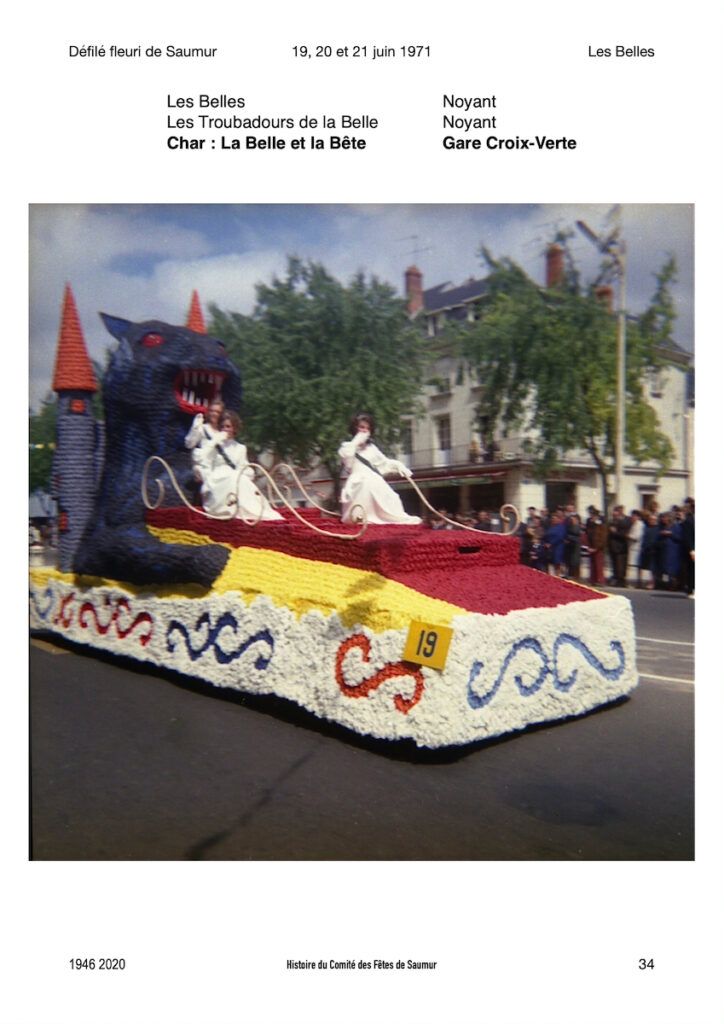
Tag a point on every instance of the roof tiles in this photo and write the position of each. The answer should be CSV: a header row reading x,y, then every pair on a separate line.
x,y
195,318
73,368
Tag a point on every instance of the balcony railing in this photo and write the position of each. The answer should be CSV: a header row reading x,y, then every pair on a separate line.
x,y
458,455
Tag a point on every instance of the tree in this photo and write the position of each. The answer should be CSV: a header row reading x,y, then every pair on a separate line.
x,y
313,353
42,429
547,360
42,444
657,323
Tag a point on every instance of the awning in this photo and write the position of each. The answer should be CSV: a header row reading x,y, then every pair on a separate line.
x,y
452,481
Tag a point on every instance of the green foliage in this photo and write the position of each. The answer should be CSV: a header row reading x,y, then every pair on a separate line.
x,y
42,444
547,360
657,323
313,353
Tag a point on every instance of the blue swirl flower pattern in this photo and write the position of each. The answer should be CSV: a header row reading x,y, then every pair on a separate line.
x,y
211,636
548,667
43,611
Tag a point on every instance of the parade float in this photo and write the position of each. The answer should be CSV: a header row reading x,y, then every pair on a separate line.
x,y
392,631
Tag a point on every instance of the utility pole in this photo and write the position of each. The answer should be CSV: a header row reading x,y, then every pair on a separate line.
x,y
615,248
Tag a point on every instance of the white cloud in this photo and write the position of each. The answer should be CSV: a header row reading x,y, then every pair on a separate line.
x,y
139,264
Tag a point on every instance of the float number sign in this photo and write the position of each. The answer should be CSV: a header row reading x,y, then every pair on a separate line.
x,y
427,644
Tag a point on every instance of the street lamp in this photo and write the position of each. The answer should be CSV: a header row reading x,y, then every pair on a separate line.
x,y
615,248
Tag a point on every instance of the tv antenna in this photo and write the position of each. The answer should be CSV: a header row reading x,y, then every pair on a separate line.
x,y
417,248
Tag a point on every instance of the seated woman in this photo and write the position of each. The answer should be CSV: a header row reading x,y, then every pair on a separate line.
x,y
366,485
205,427
227,479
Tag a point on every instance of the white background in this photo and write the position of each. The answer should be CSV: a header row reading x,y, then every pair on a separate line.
x,y
550,943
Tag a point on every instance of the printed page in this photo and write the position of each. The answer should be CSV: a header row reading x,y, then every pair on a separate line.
x,y
363,464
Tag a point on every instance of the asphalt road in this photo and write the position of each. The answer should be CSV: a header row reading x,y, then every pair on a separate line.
x,y
129,763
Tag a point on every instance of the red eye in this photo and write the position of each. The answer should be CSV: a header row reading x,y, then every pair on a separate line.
x,y
151,340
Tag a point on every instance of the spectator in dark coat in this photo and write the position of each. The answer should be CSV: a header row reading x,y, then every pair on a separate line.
x,y
596,532
648,559
670,547
538,558
574,537
555,542
484,522
687,548
525,535
618,528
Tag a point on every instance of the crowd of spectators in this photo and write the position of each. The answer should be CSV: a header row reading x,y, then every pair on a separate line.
x,y
646,548
491,522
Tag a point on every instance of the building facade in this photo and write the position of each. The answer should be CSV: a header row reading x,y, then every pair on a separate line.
x,y
463,463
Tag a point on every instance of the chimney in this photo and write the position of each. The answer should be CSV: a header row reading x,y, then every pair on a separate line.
x,y
554,266
413,290
604,294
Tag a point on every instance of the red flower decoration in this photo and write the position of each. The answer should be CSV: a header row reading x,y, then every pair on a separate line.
x,y
390,671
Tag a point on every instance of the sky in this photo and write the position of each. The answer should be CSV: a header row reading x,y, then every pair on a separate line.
x,y
144,262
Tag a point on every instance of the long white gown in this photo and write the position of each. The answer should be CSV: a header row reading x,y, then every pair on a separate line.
x,y
227,481
365,485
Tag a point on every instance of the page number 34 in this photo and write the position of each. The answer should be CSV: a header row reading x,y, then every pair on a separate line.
x,y
645,964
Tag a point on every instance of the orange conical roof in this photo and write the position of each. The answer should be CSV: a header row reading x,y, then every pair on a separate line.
x,y
73,368
195,318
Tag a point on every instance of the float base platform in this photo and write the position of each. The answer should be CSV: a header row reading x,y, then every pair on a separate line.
x,y
288,617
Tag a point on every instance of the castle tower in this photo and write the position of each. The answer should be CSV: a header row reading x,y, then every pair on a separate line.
x,y
75,464
195,318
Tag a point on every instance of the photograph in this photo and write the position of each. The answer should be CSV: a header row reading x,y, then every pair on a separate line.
x,y
348,518
359,667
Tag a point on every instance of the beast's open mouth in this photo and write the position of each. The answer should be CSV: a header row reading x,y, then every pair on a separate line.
x,y
196,389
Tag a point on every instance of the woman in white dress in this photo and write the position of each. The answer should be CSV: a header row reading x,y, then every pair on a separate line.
x,y
205,428
227,479
635,536
366,485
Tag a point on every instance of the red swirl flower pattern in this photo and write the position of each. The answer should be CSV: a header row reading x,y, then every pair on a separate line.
x,y
390,671
89,613
64,615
